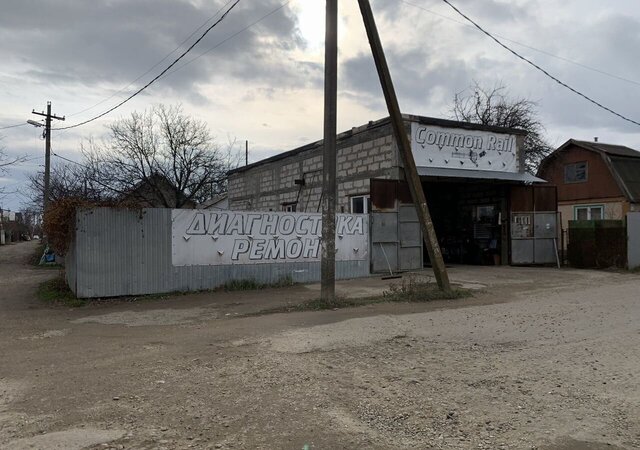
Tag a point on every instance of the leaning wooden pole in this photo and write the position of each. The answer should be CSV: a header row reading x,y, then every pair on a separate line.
x,y
402,140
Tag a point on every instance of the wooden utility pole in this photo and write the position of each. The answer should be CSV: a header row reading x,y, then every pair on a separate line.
x,y
329,185
402,140
47,151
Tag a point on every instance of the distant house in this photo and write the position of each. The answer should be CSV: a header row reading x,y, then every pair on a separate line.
x,y
219,202
595,181
157,192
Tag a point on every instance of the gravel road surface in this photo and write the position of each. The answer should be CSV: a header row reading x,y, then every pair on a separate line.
x,y
539,358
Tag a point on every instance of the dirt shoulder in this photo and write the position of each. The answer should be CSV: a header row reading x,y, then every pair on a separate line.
x,y
540,358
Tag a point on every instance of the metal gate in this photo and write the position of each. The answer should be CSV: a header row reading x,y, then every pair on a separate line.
x,y
534,237
396,240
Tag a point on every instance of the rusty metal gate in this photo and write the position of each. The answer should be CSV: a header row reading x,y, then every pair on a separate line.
x,y
396,240
534,238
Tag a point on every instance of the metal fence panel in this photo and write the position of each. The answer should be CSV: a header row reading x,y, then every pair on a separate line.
x,y
597,243
129,252
534,237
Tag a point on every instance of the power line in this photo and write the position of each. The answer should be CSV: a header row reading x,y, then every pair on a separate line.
x,y
14,126
270,13
159,75
561,83
68,160
544,52
95,180
157,64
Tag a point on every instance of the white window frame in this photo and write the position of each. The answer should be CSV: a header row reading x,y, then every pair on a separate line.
x,y
588,208
365,201
292,207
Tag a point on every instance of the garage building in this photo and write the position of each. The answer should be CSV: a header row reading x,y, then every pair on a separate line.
x,y
486,208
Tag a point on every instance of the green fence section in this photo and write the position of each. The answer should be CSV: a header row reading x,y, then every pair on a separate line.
x,y
597,244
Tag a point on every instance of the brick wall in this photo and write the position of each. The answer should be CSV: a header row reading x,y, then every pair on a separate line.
x,y
363,153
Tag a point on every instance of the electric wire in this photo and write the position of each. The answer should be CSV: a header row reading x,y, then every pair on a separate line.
x,y
95,180
561,83
219,44
155,65
544,52
14,126
156,78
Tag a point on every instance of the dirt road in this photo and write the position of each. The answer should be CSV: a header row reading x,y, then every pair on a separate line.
x,y
540,358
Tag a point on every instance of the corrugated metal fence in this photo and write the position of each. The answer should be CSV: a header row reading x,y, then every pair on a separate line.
x,y
120,252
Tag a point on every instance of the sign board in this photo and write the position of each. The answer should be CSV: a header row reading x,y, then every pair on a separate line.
x,y
228,237
522,225
457,148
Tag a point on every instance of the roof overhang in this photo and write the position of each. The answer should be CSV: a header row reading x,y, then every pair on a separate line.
x,y
512,177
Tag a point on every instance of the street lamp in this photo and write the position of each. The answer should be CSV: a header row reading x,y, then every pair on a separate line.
x,y
35,123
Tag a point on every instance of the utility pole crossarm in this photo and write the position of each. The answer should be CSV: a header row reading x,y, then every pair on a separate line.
x,y
44,114
402,140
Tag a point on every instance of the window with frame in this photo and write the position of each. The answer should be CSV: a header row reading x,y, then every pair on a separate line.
x,y
291,207
576,173
360,204
588,212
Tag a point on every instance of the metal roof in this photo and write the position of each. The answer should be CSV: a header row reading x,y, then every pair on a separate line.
x,y
623,162
478,175
408,118
609,149
627,174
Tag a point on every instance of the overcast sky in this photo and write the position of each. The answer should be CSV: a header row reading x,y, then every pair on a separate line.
x,y
265,84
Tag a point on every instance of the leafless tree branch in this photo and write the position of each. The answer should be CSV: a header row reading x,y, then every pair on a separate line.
x,y
495,107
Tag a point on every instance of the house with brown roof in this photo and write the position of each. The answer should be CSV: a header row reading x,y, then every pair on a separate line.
x,y
594,181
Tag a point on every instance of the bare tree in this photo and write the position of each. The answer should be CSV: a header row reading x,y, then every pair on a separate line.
x,y
495,107
6,161
162,157
67,181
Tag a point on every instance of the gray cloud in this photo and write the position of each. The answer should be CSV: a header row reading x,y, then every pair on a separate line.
x,y
92,43
416,79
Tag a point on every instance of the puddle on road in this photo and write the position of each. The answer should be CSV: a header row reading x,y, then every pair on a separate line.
x,y
151,317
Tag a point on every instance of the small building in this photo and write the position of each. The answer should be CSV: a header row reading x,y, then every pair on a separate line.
x,y
219,202
473,175
594,181
157,191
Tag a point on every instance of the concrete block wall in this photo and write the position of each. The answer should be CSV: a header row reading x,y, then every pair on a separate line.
x,y
363,153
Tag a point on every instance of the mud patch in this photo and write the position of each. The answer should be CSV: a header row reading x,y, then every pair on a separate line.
x,y
75,438
46,335
9,391
151,317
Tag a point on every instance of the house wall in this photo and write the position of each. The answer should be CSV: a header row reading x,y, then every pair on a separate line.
x,y
600,183
614,209
363,153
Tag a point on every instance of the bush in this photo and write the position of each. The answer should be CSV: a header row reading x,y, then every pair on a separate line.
x,y
59,222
